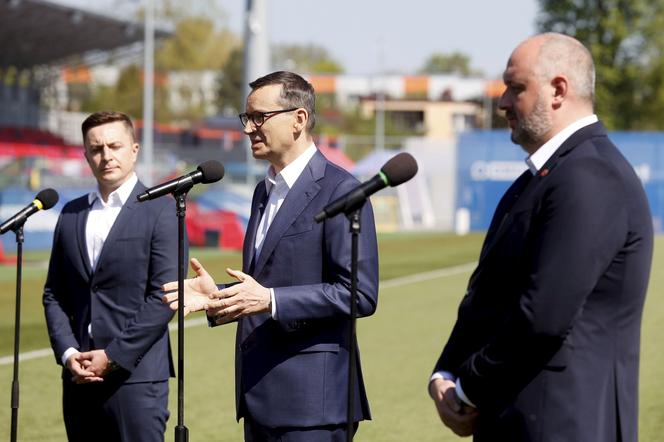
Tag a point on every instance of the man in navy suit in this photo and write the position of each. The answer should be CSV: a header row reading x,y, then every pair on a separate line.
x,y
106,320
292,299
546,343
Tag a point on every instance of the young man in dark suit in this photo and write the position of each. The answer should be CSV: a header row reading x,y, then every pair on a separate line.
x,y
292,301
546,343
106,320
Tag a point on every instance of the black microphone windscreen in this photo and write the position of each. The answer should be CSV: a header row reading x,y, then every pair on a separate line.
x,y
400,168
48,198
212,171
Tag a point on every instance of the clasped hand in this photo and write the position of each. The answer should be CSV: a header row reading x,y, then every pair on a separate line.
x,y
87,367
247,297
461,419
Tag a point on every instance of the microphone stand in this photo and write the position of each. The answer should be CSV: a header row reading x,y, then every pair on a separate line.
x,y
18,230
180,195
355,227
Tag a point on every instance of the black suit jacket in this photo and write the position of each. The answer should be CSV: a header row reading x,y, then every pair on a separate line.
x,y
122,297
546,343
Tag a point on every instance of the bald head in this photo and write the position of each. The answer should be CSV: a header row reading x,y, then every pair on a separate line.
x,y
561,55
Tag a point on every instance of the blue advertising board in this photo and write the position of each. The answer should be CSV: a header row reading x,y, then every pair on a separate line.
x,y
488,162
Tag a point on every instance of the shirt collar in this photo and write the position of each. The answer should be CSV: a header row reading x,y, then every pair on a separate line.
x,y
121,194
292,171
539,158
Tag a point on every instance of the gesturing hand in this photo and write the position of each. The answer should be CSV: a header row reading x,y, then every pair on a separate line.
x,y
196,290
243,299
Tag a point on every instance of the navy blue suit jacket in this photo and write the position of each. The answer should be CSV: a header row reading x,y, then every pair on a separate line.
x,y
122,297
546,343
293,371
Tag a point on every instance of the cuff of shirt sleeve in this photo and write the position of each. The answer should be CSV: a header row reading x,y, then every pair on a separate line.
x,y
65,356
462,395
443,375
273,304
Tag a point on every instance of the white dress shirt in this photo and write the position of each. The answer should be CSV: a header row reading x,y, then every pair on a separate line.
x,y
101,218
278,185
535,162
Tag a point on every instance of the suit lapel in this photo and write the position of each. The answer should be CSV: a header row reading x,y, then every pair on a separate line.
x,y
504,210
257,209
81,221
299,196
513,199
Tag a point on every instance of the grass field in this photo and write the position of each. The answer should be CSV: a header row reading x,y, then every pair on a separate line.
x,y
399,346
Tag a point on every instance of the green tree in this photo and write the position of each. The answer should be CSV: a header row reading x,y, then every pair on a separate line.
x,y
168,13
454,63
196,44
127,96
625,39
231,83
312,59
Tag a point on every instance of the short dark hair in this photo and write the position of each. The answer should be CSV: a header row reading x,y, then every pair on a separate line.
x,y
105,117
295,92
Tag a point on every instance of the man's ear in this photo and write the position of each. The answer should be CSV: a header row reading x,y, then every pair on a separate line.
x,y
560,89
301,119
86,154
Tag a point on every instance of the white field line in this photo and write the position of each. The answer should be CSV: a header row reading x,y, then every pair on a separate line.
x,y
426,276
43,352
390,283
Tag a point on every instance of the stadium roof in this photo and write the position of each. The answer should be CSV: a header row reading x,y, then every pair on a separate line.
x,y
39,32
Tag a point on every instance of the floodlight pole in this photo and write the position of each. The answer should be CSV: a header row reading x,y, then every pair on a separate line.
x,y
148,92
256,62
379,135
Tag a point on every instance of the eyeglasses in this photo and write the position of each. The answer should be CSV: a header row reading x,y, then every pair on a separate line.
x,y
259,118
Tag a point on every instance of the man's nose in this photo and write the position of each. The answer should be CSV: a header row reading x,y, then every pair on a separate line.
x,y
503,102
249,127
105,152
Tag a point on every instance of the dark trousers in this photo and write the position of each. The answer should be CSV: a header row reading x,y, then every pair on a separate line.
x,y
254,432
108,411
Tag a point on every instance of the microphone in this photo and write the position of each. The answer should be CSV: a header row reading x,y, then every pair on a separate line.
x,y
44,200
206,173
397,170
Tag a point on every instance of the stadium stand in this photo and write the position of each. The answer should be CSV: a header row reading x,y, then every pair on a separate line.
x,y
28,29
29,135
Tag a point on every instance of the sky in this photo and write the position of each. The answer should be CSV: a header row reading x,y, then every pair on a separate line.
x,y
390,36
